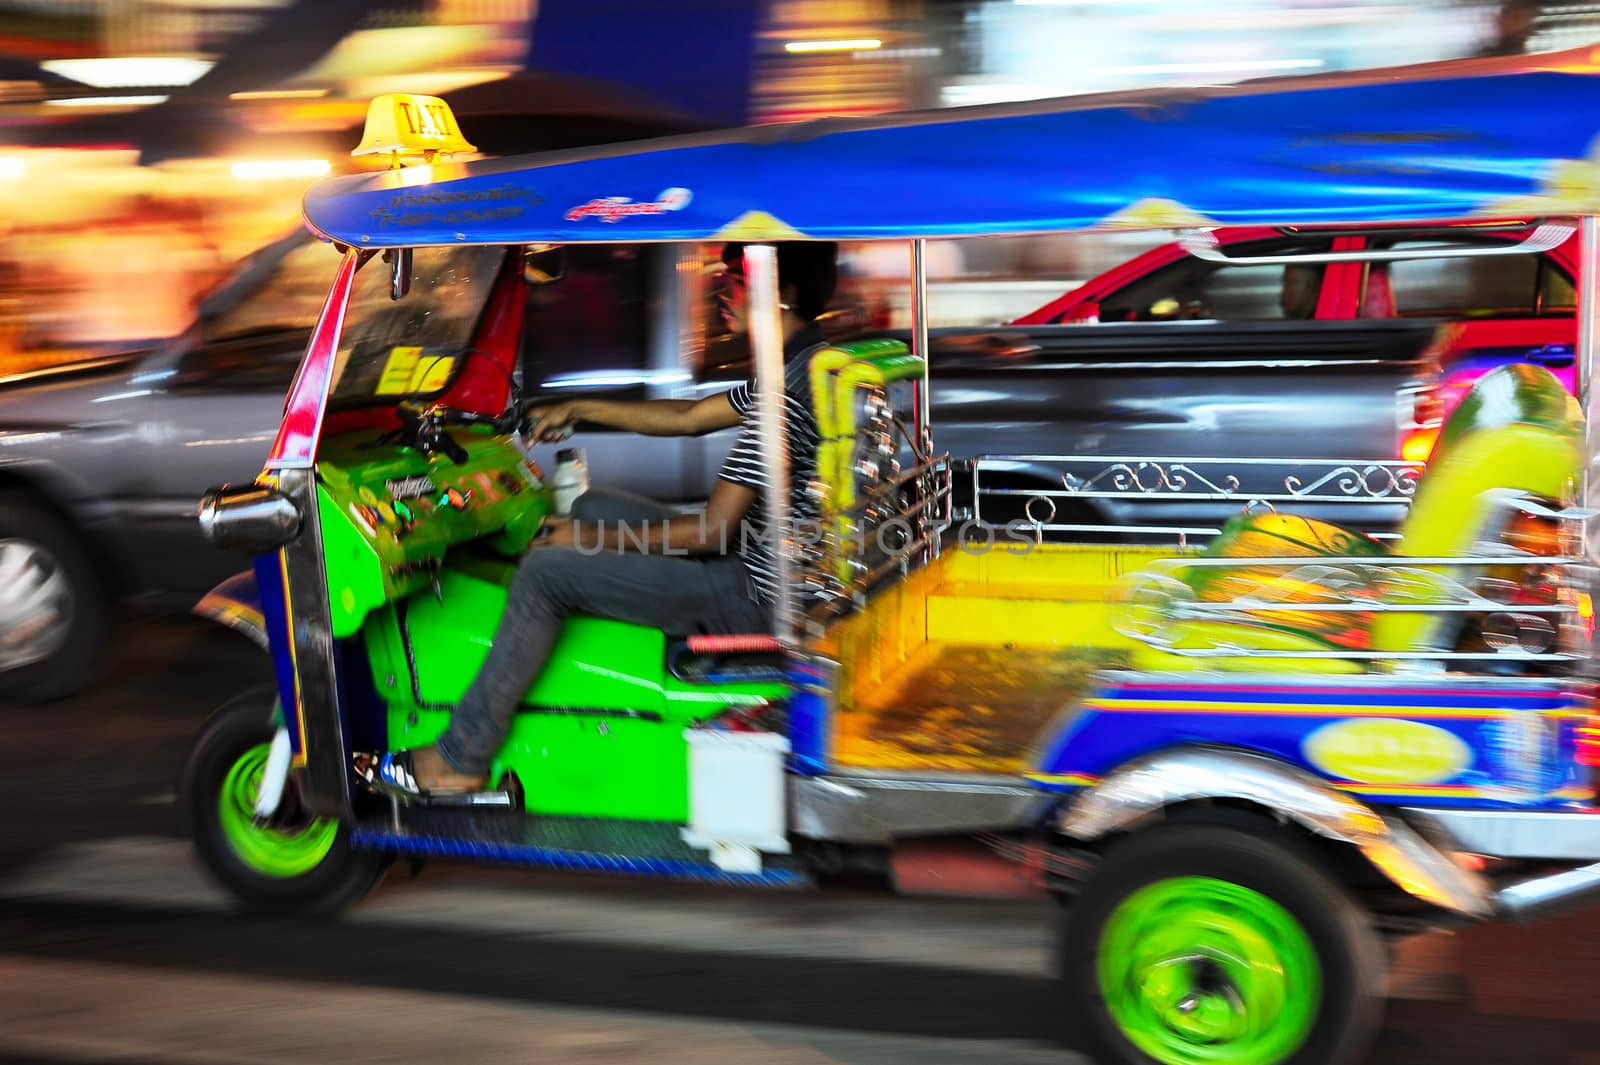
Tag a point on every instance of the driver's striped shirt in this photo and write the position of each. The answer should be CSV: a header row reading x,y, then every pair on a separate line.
x,y
744,464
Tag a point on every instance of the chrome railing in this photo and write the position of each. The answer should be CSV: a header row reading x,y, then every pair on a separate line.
x,y
1155,604
1252,483
895,527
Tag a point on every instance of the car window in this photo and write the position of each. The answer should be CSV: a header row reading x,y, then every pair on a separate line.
x,y
256,341
1194,288
586,332
290,297
1484,287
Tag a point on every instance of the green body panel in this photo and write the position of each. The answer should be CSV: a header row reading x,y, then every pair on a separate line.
x,y
597,663
897,366
873,348
355,573
603,735
1196,970
381,544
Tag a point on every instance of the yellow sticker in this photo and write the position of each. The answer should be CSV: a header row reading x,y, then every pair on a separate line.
x,y
431,374
1387,750
397,372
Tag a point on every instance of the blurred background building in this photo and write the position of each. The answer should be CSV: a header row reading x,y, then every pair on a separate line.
x,y
147,145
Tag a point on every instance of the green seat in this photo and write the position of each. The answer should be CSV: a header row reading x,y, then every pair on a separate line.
x,y
1516,431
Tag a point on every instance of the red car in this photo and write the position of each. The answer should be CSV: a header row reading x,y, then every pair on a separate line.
x,y
1511,307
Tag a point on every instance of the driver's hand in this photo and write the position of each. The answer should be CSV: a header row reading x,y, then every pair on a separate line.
x,y
555,532
553,423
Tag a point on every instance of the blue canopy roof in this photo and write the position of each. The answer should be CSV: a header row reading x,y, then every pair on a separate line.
x,y
1494,138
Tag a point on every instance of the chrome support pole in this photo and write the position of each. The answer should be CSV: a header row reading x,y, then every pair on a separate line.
x,y
1588,321
919,341
325,775
766,347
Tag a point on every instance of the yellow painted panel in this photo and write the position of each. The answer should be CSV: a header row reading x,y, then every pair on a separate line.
x,y
1022,623
1072,564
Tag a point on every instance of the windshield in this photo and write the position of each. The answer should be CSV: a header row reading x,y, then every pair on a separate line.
x,y
391,350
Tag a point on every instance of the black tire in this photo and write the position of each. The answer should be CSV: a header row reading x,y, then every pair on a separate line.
x,y
1348,997
73,642
233,737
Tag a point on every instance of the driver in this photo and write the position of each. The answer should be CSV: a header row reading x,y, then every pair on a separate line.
x,y
686,579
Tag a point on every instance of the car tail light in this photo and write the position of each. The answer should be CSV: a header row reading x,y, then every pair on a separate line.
x,y
1420,416
1578,633
1417,444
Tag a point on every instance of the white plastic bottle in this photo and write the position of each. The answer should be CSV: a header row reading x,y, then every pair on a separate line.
x,y
570,478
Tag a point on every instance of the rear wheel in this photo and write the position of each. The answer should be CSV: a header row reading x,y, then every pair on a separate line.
x,y
1194,944
291,862
53,611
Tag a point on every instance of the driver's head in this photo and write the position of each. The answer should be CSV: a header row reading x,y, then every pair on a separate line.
x,y
808,272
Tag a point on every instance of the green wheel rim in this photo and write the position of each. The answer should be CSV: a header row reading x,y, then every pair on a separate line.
x,y
1197,971
271,850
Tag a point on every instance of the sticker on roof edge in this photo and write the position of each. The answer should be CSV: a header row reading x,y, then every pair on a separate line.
x,y
615,208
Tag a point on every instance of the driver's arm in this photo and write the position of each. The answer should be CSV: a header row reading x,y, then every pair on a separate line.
x,y
649,417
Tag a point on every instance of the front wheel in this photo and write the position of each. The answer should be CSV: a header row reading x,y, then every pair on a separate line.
x,y
1198,944
289,863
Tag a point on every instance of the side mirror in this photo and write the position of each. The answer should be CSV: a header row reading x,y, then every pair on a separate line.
x,y
252,518
399,260
543,264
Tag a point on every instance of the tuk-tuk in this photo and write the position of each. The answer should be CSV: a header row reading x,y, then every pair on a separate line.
x,y
1245,765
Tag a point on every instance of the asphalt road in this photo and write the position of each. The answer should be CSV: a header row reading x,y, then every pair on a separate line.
x,y
114,947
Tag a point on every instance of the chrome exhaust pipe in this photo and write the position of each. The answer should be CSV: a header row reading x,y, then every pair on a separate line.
x,y
1545,895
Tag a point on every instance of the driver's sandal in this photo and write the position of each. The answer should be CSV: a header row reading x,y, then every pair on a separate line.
x,y
393,774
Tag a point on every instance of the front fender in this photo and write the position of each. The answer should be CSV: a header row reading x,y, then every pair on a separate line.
x,y
236,604
1146,786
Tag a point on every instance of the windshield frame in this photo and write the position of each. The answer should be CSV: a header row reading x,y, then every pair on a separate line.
x,y
470,326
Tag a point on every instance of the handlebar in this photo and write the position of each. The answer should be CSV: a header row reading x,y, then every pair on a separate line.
x,y
452,450
424,428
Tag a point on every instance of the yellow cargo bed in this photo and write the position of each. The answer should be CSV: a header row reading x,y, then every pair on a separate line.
x,y
964,665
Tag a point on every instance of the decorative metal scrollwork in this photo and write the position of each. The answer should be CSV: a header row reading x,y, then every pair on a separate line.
x,y
1149,478
1372,482
1309,479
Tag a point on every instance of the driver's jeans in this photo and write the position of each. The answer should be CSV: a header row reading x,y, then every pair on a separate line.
x,y
683,595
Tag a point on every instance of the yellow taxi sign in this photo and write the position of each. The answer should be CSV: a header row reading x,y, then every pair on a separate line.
x,y
409,126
